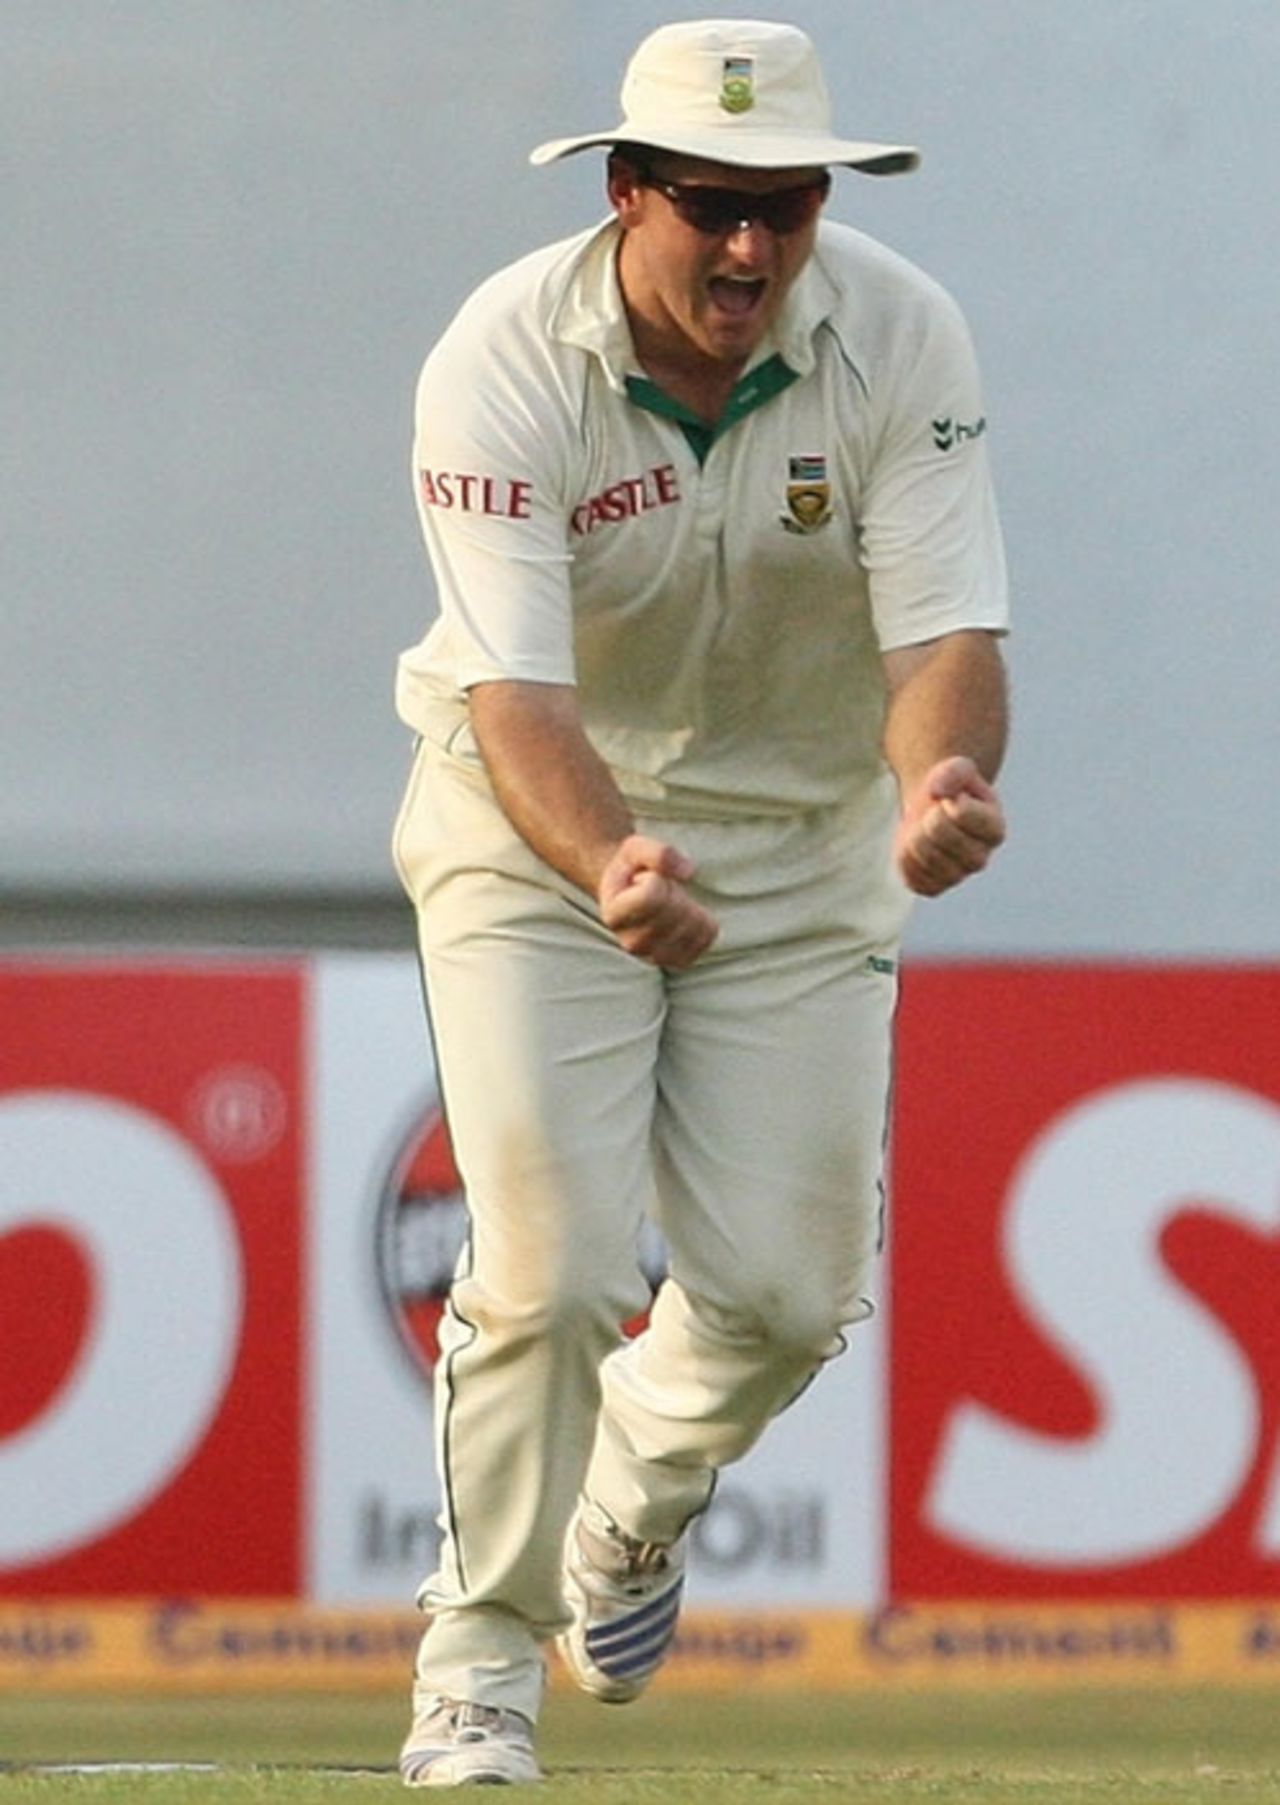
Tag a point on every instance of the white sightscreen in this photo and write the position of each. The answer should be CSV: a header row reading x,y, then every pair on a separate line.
x,y
233,230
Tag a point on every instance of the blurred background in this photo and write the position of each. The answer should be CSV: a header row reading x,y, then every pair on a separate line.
x,y
234,230
227,1208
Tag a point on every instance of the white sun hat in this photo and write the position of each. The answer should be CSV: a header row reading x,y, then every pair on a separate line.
x,y
739,91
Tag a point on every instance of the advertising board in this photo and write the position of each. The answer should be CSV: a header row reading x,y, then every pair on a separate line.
x,y
228,1213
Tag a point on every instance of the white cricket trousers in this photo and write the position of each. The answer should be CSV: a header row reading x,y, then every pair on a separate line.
x,y
742,1103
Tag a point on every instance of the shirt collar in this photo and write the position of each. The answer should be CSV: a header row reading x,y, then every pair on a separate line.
x,y
589,313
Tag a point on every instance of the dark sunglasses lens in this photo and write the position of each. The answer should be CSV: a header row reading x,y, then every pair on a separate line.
x,y
722,210
715,210
791,209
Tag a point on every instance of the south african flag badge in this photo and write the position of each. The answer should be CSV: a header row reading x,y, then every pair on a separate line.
x,y
808,493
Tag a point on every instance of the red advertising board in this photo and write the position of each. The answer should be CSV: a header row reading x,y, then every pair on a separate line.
x,y
1084,1277
150,1222
1086,1283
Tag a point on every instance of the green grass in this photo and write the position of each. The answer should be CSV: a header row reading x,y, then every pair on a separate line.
x,y
1112,1748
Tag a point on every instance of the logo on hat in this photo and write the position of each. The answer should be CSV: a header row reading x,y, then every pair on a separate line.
x,y
738,84
808,494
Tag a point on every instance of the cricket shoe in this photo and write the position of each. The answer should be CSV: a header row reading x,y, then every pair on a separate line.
x,y
625,1599
456,1744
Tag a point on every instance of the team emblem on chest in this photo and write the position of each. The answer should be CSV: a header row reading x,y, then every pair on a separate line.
x,y
808,494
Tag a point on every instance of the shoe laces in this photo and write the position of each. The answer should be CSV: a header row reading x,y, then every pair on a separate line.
x,y
466,1722
626,1556
641,1560
475,1723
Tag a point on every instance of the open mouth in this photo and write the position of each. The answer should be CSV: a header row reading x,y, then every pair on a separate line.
x,y
737,295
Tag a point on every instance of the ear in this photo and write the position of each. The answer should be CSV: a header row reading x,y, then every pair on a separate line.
x,y
624,191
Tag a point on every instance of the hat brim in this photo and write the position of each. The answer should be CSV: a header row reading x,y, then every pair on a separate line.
x,y
747,149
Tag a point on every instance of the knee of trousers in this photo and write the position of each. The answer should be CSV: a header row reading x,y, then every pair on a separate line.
x,y
574,1312
797,1318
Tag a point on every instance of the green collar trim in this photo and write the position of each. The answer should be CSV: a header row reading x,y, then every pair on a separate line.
x,y
749,392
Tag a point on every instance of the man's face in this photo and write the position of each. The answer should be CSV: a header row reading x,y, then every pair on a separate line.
x,y
713,293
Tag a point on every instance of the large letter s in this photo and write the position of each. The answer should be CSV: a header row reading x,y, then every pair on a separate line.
x,y
1177,1399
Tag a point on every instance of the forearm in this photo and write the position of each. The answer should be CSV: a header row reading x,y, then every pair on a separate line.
x,y
553,786
560,797
945,729
946,700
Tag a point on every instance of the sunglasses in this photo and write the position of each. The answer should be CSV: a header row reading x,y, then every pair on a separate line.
x,y
719,212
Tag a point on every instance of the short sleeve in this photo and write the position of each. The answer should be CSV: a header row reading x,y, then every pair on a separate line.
x,y
489,481
930,536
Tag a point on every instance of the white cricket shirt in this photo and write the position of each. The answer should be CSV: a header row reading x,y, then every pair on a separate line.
x,y
721,607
